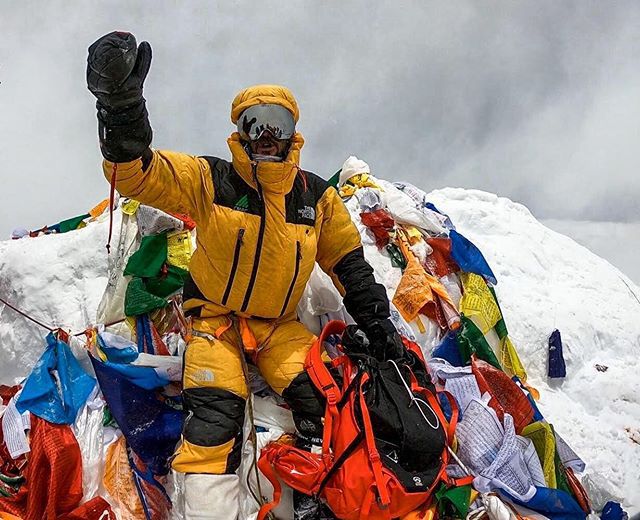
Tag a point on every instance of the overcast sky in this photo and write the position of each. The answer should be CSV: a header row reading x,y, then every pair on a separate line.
x,y
538,101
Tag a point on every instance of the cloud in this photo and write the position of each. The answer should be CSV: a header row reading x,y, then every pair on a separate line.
x,y
534,100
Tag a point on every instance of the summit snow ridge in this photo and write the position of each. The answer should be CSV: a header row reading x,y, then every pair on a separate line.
x,y
545,281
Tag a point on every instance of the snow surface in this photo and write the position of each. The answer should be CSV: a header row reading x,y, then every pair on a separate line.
x,y
618,242
545,281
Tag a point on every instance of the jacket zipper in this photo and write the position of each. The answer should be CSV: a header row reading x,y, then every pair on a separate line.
x,y
256,261
234,266
295,277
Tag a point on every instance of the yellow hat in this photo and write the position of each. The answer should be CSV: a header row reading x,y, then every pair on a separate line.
x,y
263,95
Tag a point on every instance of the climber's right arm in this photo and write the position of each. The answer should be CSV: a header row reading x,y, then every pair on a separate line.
x,y
170,181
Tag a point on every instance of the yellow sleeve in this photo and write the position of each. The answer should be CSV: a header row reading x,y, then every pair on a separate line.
x,y
337,235
173,182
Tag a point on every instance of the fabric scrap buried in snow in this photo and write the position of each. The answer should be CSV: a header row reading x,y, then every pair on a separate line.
x,y
56,398
557,367
469,257
152,428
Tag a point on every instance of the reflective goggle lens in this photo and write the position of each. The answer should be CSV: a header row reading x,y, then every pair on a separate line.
x,y
256,120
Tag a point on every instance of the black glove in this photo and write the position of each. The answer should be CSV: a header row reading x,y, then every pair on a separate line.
x,y
116,70
379,339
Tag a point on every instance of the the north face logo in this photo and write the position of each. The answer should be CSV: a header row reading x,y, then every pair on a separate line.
x,y
242,204
307,213
203,375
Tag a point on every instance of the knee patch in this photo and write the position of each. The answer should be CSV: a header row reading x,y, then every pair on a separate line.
x,y
212,434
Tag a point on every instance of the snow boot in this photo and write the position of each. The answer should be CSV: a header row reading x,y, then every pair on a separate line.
x,y
211,497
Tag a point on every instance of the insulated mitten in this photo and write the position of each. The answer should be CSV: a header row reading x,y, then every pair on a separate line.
x,y
116,70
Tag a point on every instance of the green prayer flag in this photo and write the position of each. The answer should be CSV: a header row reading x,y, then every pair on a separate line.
x,y
472,341
71,223
148,260
137,300
165,285
458,497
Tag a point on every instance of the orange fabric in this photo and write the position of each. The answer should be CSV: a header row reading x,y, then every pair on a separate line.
x,y
118,481
98,209
249,342
53,474
352,491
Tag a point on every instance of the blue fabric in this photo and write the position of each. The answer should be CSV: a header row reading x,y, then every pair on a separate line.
x,y
56,401
125,355
143,333
447,223
613,511
557,367
553,503
151,428
469,258
144,377
448,349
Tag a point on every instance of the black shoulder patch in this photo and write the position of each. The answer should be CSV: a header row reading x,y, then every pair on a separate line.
x,y
229,189
301,201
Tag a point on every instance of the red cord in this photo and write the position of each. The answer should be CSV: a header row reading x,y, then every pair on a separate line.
x,y
50,329
112,196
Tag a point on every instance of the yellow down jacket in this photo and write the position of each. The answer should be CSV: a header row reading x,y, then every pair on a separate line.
x,y
260,226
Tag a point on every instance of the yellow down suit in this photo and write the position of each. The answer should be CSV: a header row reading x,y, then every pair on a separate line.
x,y
261,226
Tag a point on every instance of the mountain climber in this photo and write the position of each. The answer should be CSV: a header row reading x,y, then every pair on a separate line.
x,y
262,224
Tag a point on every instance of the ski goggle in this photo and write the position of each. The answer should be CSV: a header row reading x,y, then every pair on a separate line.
x,y
258,119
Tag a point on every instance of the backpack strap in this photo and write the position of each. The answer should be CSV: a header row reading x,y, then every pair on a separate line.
x,y
372,451
325,383
264,465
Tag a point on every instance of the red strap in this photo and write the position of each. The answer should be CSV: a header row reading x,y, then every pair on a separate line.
x,y
374,455
112,196
317,370
267,470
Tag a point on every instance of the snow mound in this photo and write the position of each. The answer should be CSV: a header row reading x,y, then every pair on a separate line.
x,y
545,281
548,281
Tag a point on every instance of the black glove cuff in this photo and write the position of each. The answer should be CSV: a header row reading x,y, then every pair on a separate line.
x,y
125,133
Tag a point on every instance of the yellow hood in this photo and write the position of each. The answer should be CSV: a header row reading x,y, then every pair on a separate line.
x,y
264,95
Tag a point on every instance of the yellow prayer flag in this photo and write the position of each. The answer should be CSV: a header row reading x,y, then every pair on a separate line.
x,y
477,302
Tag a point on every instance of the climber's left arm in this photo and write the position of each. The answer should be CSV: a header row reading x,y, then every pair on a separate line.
x,y
341,256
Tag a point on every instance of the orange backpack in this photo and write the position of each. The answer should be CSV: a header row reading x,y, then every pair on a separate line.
x,y
362,472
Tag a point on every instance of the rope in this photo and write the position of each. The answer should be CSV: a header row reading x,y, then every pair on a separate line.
x,y
112,195
52,329
253,437
24,314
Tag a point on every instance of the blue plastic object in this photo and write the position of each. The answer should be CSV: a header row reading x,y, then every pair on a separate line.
x,y
469,258
56,399
557,367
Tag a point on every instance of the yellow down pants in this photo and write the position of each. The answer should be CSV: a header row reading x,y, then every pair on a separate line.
x,y
215,388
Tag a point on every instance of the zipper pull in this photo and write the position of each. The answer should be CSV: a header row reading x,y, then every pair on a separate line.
x,y
299,250
241,236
